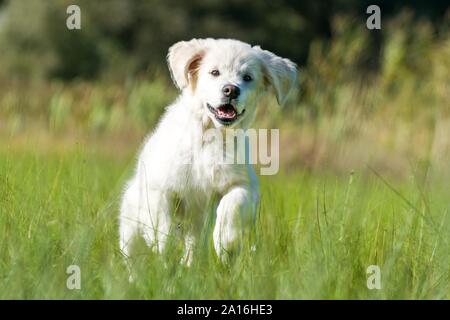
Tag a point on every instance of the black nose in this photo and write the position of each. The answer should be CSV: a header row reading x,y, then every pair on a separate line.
x,y
231,91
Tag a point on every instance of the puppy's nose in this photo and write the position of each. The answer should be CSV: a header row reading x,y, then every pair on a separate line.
x,y
231,91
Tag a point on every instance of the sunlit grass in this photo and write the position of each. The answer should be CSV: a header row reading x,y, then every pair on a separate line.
x,y
364,180
315,237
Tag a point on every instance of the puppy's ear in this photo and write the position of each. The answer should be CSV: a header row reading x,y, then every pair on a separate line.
x,y
184,60
279,72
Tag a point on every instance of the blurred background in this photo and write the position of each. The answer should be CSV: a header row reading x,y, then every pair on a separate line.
x,y
366,98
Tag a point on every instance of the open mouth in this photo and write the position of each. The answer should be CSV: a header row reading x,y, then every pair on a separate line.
x,y
225,113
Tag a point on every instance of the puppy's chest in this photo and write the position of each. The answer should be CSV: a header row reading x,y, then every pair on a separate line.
x,y
210,171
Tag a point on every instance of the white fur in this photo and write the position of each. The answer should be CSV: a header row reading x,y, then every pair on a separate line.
x,y
178,161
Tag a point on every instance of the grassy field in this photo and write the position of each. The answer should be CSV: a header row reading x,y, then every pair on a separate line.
x,y
364,180
316,236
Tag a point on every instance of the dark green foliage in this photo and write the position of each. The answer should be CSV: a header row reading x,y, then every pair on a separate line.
x,y
125,37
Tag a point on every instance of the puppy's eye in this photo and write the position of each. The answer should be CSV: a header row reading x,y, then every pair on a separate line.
x,y
247,78
215,73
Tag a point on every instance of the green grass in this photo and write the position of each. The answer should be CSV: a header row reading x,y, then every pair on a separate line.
x,y
66,150
316,235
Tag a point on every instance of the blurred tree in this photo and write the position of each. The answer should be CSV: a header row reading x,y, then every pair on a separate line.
x,y
121,37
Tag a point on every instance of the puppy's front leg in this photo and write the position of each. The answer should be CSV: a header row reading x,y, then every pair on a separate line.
x,y
235,215
155,218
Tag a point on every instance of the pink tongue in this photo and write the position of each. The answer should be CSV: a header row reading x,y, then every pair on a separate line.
x,y
226,112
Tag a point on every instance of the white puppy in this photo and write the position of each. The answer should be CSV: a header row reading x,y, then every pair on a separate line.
x,y
220,82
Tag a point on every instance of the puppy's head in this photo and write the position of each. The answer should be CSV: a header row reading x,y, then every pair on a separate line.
x,y
228,76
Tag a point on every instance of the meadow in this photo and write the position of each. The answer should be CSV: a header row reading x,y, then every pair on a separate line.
x,y
315,237
364,180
